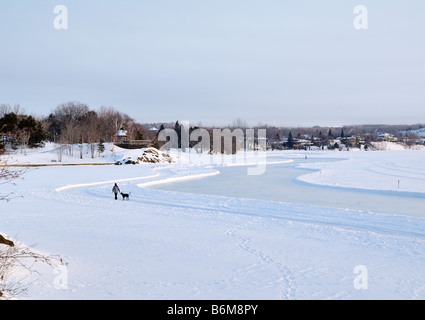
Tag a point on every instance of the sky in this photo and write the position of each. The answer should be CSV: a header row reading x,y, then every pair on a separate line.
x,y
276,62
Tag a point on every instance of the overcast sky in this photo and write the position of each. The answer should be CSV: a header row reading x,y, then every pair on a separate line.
x,y
288,63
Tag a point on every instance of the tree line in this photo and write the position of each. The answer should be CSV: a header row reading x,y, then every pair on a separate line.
x,y
69,123
75,123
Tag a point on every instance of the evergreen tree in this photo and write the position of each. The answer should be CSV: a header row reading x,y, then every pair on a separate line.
x,y
177,128
101,146
290,143
139,135
14,124
9,122
160,129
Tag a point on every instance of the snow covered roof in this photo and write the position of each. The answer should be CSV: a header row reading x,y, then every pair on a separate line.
x,y
121,133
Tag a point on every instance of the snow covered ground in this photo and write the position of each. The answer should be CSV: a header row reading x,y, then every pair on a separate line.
x,y
398,171
173,245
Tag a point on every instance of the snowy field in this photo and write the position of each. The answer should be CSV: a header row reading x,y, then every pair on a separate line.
x,y
173,245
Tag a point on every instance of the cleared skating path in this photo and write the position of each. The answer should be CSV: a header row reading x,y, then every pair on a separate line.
x,y
139,187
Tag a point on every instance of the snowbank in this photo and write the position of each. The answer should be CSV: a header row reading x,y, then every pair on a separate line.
x,y
391,146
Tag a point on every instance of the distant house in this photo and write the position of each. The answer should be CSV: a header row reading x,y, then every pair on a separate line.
x,y
121,135
350,141
361,140
6,141
121,140
260,143
387,137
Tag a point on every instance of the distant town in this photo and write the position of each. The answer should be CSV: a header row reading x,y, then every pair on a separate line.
x,y
75,123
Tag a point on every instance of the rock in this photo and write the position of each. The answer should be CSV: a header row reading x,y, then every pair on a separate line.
x,y
149,155
153,155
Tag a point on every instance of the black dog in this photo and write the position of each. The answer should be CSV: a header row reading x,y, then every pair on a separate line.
x,y
125,195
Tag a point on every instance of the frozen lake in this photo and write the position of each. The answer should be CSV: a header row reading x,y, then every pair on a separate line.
x,y
290,242
279,183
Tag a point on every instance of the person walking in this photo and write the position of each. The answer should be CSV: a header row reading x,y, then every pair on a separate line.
x,y
116,190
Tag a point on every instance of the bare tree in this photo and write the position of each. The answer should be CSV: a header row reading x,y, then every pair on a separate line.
x,y
5,109
239,123
23,137
69,136
92,131
59,151
71,112
15,256
110,121
8,175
